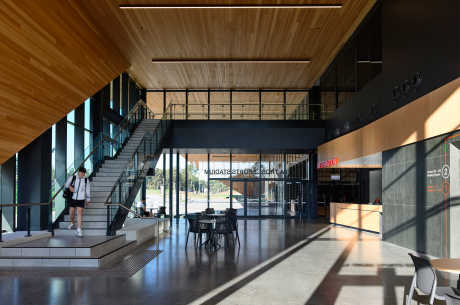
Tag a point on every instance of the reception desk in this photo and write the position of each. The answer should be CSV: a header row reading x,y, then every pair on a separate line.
x,y
359,216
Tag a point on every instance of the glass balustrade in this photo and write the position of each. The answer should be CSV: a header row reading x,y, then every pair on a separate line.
x,y
102,146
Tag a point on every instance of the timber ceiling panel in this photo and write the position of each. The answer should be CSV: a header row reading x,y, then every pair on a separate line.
x,y
168,34
53,59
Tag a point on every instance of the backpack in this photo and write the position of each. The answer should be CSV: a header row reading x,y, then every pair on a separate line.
x,y
67,193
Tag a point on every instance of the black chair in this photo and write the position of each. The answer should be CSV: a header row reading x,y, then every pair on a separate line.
x,y
160,211
203,228
425,280
210,211
225,227
234,221
453,299
230,211
198,214
192,227
203,213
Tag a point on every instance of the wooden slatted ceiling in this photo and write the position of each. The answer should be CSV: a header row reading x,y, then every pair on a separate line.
x,y
143,35
53,58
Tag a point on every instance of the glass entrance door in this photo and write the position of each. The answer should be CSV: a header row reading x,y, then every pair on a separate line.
x,y
246,197
296,199
272,198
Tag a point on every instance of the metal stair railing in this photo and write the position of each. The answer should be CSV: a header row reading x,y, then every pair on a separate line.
x,y
125,188
102,146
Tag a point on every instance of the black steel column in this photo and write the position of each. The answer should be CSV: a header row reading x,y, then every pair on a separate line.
x,y
105,99
170,184
164,100
60,154
79,136
314,109
186,104
209,109
164,180
8,183
116,85
284,102
260,104
98,114
133,94
144,189
124,95
231,99
177,185
313,208
208,180
186,183
34,181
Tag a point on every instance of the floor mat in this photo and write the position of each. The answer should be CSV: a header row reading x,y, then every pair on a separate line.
x,y
125,269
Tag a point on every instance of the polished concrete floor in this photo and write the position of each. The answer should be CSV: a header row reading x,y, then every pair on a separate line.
x,y
280,262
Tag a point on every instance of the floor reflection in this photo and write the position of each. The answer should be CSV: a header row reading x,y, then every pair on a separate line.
x,y
280,261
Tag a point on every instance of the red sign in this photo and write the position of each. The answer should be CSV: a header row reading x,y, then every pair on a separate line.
x,y
328,163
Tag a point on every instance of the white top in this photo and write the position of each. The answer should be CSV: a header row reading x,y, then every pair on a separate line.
x,y
140,204
81,190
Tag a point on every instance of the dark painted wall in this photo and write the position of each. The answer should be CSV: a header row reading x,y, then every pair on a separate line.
x,y
360,103
375,185
266,136
418,36
414,205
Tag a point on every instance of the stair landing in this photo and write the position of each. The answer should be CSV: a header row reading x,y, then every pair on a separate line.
x,y
66,251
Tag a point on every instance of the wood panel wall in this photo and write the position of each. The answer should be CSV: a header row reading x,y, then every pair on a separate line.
x,y
53,58
431,115
360,216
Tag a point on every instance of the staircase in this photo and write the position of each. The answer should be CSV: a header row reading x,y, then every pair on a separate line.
x,y
95,214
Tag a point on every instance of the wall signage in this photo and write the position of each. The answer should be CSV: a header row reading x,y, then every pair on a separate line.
x,y
243,172
327,163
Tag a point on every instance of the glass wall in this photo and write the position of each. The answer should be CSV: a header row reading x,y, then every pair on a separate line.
x,y
198,183
355,66
219,167
272,198
253,184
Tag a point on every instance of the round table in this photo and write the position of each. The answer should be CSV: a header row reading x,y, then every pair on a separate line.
x,y
216,215
451,265
210,239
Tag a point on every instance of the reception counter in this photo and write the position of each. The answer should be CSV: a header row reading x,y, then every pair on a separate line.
x,y
359,216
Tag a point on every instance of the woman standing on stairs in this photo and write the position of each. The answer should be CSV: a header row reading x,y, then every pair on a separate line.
x,y
80,188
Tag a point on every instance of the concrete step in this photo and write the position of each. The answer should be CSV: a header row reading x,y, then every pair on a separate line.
x,y
87,232
110,170
107,174
102,183
76,261
93,210
105,179
91,217
65,247
86,225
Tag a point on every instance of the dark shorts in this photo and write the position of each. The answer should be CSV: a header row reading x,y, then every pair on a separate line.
x,y
76,203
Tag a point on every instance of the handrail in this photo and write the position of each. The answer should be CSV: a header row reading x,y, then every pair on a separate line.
x,y
157,219
133,110
22,204
134,153
28,215
138,104
89,155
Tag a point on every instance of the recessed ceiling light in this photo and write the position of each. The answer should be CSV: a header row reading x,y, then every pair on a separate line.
x,y
291,6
